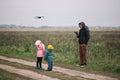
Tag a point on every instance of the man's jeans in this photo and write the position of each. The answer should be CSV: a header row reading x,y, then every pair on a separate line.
x,y
82,48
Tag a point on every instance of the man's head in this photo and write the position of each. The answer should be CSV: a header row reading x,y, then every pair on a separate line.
x,y
81,25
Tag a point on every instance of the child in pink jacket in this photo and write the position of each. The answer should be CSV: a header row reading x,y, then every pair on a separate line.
x,y
40,53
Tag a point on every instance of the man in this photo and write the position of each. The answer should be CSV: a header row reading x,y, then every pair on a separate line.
x,y
83,37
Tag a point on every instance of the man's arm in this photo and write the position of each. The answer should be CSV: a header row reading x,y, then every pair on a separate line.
x,y
87,35
76,34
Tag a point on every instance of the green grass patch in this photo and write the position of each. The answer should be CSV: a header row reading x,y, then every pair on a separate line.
x,y
103,51
4,75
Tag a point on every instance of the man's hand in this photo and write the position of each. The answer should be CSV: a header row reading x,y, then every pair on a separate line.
x,y
83,44
76,32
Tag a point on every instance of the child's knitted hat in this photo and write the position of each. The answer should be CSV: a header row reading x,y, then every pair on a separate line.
x,y
50,47
38,42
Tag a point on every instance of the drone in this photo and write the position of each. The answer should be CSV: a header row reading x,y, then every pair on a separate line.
x,y
39,17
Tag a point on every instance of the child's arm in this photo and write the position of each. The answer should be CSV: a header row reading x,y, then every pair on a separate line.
x,y
45,57
38,47
43,48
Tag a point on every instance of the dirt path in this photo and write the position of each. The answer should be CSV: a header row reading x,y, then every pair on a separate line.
x,y
62,70
25,73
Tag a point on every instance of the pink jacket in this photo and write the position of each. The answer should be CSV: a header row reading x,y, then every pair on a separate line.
x,y
41,50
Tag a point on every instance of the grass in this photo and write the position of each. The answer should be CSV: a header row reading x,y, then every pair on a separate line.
x,y
4,75
103,51
54,74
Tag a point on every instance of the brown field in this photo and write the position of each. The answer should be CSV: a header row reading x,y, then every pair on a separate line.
x,y
38,29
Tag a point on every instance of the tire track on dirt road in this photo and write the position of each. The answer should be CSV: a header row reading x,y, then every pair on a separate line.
x,y
62,70
26,73
52,74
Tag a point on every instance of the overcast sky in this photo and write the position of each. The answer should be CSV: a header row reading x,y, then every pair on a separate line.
x,y
60,12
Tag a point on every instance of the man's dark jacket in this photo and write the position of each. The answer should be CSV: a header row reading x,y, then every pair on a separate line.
x,y
83,35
